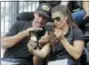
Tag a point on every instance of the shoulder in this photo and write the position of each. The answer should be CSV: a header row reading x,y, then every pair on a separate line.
x,y
77,30
78,34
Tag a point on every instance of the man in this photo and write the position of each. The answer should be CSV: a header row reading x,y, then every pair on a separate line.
x,y
15,42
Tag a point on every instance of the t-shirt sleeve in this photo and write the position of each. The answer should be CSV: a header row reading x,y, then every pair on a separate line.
x,y
78,34
14,29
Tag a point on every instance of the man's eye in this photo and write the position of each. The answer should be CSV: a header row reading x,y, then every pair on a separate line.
x,y
44,17
40,15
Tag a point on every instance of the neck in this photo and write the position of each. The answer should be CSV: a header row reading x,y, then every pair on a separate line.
x,y
65,29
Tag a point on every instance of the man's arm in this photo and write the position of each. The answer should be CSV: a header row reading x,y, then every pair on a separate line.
x,y
10,41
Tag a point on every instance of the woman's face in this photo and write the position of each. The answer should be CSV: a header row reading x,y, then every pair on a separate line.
x,y
59,20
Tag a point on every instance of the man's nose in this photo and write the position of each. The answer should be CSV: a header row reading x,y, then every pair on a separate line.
x,y
40,18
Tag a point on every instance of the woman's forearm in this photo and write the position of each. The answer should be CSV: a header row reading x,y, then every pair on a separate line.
x,y
38,53
43,52
71,49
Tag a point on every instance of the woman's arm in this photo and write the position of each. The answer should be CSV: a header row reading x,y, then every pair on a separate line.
x,y
36,60
74,50
65,2
40,53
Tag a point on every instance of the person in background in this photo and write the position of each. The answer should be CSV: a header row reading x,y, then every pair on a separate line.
x,y
79,9
86,8
15,41
82,12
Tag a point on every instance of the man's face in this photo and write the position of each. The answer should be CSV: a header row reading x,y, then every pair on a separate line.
x,y
39,20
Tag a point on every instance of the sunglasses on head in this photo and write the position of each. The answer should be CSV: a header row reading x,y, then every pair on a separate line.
x,y
57,19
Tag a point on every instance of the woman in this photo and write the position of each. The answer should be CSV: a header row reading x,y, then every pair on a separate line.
x,y
69,43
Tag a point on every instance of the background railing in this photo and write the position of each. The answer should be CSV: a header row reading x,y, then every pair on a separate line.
x,y
10,9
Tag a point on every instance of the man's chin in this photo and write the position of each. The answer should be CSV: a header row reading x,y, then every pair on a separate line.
x,y
40,26
37,26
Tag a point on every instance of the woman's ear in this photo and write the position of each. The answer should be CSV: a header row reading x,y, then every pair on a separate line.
x,y
66,18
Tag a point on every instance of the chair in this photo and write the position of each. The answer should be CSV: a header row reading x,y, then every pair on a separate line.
x,y
25,16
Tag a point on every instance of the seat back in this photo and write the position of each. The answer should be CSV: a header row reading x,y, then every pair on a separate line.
x,y
25,16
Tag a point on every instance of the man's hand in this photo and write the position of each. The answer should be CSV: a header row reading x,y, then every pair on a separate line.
x,y
26,32
31,45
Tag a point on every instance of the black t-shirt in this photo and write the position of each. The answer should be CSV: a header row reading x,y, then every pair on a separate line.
x,y
20,50
58,51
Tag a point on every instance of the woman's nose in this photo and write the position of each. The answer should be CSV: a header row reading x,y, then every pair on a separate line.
x,y
55,22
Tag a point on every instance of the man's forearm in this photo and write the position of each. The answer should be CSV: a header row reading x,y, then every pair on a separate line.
x,y
8,42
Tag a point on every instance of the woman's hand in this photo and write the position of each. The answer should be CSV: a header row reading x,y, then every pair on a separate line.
x,y
59,34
